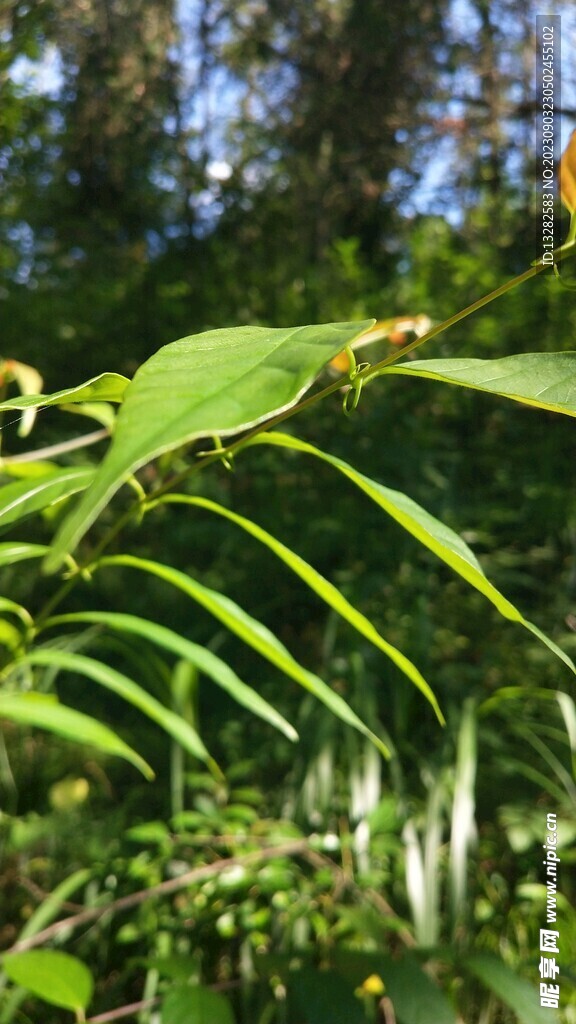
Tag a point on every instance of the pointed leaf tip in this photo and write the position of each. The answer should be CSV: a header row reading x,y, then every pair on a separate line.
x,y
212,384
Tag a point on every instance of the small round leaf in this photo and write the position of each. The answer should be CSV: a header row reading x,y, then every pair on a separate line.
x,y
58,978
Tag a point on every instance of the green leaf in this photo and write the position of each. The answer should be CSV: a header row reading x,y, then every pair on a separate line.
x,y
253,633
52,905
515,992
463,825
28,496
6,605
44,712
102,412
546,380
323,997
415,997
58,978
204,660
439,538
14,551
68,661
211,384
107,387
182,967
321,586
187,1004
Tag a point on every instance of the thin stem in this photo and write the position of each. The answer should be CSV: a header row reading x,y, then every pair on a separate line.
x,y
291,848
124,1011
57,449
373,371
367,375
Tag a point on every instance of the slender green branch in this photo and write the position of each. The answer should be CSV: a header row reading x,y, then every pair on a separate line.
x,y
125,1011
374,370
365,375
57,449
291,848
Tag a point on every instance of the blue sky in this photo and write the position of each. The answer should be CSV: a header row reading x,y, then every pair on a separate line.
x,y
211,113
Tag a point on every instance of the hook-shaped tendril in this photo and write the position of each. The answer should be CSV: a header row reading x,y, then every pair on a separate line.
x,y
569,285
352,395
227,460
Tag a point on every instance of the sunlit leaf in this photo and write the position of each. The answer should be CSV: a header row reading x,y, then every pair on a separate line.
x,y
321,586
25,497
253,633
211,384
520,995
69,661
545,380
52,904
30,382
204,660
396,330
463,825
14,551
107,387
58,978
44,712
568,175
6,605
433,534
27,377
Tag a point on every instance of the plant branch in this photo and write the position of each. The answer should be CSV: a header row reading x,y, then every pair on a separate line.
x,y
57,449
366,375
374,370
292,848
124,1011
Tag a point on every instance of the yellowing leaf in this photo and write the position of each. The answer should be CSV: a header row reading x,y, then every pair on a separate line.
x,y
568,175
396,330
30,382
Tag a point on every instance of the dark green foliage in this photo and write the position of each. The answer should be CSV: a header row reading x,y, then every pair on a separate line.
x,y
116,237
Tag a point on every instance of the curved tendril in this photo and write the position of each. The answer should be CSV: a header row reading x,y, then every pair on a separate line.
x,y
352,395
569,285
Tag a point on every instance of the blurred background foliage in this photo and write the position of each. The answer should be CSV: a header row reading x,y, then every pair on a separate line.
x,y
168,168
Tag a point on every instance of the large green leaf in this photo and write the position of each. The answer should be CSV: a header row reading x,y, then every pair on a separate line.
x,y
546,380
195,1004
44,712
216,383
58,978
433,534
518,994
323,997
253,633
25,497
416,999
204,660
107,387
127,689
52,904
321,586
16,551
